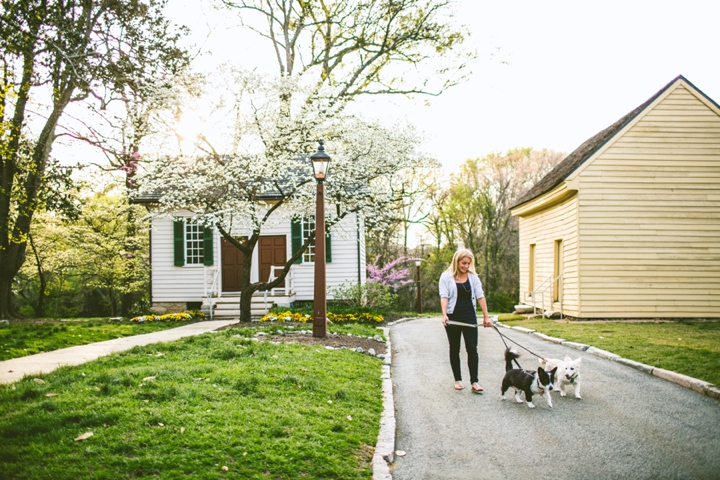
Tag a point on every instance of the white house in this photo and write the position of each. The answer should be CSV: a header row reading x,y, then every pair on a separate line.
x,y
194,266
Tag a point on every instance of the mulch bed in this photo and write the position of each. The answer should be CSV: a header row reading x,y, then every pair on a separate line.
x,y
332,340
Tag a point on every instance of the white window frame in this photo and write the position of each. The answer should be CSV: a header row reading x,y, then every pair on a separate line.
x,y
194,247
308,226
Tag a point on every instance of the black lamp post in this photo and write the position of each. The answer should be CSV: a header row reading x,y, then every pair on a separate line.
x,y
419,285
320,162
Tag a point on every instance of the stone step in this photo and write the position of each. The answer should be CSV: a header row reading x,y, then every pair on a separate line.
x,y
522,308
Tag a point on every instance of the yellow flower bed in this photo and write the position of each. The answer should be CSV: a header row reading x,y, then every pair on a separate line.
x,y
170,317
289,316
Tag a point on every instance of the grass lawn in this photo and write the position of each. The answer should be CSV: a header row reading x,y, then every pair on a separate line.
x,y
21,339
210,406
691,348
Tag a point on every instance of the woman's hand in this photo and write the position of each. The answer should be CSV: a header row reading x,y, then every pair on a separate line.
x,y
444,309
487,322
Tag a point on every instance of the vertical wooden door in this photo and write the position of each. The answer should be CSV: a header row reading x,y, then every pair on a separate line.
x,y
272,252
232,264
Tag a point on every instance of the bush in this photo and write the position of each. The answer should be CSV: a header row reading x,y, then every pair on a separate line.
x,y
371,295
500,302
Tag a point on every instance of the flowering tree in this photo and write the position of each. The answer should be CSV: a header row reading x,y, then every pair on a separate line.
x,y
389,274
248,191
328,54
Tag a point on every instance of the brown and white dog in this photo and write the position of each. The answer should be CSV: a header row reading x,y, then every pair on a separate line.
x,y
567,374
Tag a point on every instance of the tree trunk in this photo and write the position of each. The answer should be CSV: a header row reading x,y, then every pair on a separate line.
x,y
14,255
10,262
5,298
42,276
247,289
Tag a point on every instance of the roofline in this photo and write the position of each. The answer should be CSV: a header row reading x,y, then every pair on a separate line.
x,y
639,110
154,200
646,104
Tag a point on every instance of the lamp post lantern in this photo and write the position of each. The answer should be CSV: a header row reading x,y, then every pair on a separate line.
x,y
419,285
321,163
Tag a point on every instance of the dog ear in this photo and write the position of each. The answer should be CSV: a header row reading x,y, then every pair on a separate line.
x,y
567,358
577,361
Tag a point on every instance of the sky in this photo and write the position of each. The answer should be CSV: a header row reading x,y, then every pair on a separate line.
x,y
562,70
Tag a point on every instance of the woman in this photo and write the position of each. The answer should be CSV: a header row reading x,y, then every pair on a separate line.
x,y
460,291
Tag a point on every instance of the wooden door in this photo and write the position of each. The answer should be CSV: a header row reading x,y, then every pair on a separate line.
x,y
272,251
232,264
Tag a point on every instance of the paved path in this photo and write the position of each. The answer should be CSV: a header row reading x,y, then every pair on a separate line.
x,y
16,368
628,425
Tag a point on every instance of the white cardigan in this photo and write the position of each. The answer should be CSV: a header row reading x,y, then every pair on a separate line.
x,y
448,288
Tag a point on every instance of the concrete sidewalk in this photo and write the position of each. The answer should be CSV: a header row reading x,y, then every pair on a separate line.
x,y
16,368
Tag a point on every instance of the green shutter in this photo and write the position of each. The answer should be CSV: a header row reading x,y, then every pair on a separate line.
x,y
328,246
208,246
296,236
179,241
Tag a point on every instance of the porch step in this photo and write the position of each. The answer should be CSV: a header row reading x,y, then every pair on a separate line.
x,y
228,306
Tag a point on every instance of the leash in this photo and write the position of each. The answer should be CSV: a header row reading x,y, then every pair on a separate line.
x,y
503,337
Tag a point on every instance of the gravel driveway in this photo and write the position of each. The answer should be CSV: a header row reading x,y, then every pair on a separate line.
x,y
629,425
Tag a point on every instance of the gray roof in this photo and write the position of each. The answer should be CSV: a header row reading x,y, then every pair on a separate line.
x,y
568,165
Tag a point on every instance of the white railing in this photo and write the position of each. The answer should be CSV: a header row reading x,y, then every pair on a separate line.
x,y
214,287
540,290
287,289
289,280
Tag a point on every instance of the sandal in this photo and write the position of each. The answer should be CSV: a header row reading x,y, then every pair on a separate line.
x,y
459,386
476,388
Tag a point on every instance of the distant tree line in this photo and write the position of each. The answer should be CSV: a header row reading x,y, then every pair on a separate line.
x,y
92,264
471,208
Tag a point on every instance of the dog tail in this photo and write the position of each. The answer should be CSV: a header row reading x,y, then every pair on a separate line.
x,y
510,355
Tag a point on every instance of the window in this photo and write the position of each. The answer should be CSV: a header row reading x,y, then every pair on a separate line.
x,y
531,269
301,229
557,270
308,227
194,244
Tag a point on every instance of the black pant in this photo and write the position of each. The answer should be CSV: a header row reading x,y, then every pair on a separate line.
x,y
471,340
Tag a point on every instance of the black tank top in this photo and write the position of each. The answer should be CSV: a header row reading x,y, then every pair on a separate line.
x,y
464,311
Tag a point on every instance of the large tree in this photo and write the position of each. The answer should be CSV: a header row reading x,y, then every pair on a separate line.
x,y
54,54
329,54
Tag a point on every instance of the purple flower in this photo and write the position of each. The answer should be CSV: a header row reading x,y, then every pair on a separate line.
x,y
389,274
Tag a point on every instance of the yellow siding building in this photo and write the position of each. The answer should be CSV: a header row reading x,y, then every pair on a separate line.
x,y
628,225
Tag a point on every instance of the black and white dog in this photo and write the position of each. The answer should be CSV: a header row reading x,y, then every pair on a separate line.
x,y
530,382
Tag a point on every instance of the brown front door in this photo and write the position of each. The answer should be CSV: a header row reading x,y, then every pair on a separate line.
x,y
232,264
273,251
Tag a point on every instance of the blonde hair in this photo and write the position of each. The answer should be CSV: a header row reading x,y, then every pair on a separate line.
x,y
459,255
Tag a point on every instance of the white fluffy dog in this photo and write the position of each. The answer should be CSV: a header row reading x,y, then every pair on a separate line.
x,y
568,373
